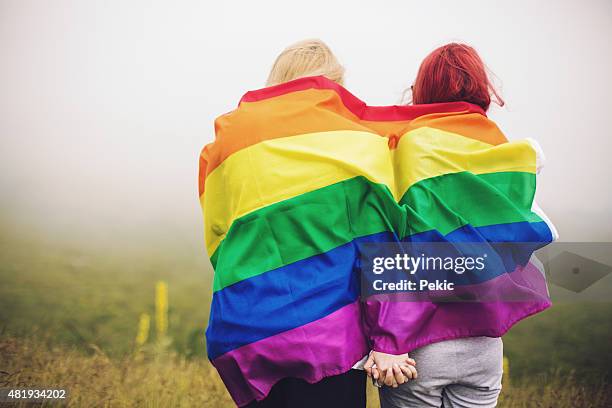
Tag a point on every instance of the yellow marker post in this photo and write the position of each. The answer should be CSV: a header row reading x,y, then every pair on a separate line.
x,y
506,375
144,325
161,309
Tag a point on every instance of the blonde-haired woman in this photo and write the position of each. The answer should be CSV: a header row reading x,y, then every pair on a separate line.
x,y
347,390
306,58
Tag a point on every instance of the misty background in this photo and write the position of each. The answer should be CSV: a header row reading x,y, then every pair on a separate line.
x,y
105,105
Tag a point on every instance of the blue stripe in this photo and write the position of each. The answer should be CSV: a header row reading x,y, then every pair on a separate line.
x,y
282,299
304,291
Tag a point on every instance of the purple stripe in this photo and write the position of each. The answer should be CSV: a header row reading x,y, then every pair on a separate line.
x,y
325,347
425,322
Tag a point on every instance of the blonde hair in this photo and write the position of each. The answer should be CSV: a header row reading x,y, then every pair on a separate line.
x,y
306,58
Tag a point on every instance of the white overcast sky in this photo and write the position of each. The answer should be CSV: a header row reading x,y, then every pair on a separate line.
x,y
105,105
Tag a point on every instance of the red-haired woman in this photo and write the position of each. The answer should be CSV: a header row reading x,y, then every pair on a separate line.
x,y
462,372
451,73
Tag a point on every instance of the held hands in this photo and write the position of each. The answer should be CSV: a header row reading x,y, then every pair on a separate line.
x,y
390,369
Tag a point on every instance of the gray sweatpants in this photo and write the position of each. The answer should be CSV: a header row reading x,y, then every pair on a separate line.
x,y
453,373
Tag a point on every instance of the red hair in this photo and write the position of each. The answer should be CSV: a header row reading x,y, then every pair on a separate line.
x,y
451,73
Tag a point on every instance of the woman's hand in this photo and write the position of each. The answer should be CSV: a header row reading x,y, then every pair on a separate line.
x,y
390,369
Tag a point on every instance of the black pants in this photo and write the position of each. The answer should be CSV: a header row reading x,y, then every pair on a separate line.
x,y
346,390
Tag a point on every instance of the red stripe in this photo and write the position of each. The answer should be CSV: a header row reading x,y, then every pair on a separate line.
x,y
356,105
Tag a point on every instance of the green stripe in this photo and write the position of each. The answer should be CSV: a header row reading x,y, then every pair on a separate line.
x,y
318,221
303,226
454,200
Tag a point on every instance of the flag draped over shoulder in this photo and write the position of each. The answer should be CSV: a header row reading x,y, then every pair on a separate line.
x,y
303,172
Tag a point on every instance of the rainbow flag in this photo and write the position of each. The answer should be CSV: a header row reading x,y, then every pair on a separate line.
x,y
303,172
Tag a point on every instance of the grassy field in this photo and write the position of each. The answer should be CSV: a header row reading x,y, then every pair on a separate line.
x,y
69,318
170,380
96,296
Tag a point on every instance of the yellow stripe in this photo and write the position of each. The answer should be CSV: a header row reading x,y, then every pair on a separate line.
x,y
438,152
279,169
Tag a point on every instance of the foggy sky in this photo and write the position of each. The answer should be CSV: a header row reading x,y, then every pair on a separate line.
x,y
105,105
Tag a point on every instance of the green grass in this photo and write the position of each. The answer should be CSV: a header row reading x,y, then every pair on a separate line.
x,y
169,380
68,311
97,380
85,298
570,337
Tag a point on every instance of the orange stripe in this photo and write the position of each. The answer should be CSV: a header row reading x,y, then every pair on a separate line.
x,y
292,114
290,123
295,114
470,125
